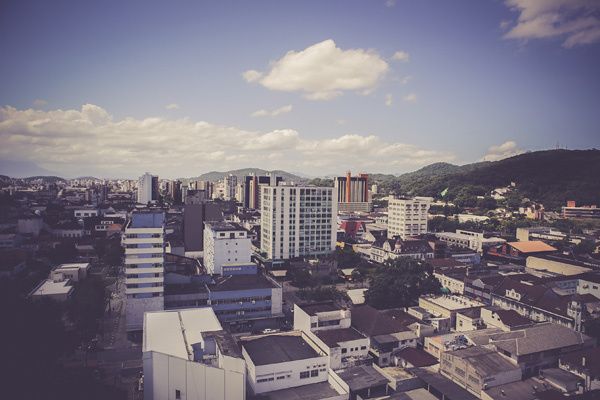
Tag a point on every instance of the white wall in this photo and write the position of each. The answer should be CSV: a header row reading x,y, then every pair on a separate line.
x,y
164,374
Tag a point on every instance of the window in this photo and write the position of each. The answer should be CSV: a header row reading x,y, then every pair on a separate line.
x,y
363,347
177,394
344,351
314,372
304,375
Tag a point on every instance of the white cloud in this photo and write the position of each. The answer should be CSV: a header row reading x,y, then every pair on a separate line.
x,y
504,150
272,113
39,103
401,56
251,75
389,99
410,98
91,141
172,106
576,22
390,3
322,71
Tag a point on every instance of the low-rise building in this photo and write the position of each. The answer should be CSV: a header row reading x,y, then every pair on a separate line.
x,y
187,355
225,244
585,364
477,368
470,240
446,306
74,271
59,291
281,361
390,249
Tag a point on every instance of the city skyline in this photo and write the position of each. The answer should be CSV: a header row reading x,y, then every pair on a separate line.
x,y
319,88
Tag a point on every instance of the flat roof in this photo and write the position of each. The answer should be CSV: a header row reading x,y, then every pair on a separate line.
x,y
444,385
333,337
453,302
531,246
72,266
174,332
316,308
49,287
278,348
224,226
362,377
416,357
520,390
315,391
242,282
484,361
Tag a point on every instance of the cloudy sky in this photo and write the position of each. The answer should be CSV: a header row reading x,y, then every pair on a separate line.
x,y
113,89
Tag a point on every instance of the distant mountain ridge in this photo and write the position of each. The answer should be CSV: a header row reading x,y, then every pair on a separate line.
x,y
551,177
240,173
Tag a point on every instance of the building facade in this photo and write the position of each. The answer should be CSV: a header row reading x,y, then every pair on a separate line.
x,y
408,216
225,243
353,193
144,245
298,221
147,189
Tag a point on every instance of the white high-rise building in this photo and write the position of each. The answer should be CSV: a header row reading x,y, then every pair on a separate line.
x,y
229,187
408,216
298,221
225,244
144,265
147,188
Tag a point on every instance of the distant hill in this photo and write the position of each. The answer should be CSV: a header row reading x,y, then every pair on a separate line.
x,y
240,173
22,169
551,177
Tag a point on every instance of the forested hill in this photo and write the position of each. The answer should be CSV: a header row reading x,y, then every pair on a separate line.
x,y
550,177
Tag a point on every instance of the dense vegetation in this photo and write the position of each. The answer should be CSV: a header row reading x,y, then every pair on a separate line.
x,y
400,283
551,177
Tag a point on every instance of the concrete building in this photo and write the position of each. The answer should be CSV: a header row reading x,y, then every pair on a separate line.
x,y
59,291
446,306
229,187
584,364
283,361
470,240
384,249
571,210
225,244
298,221
86,212
353,193
187,355
74,272
477,368
147,189
328,327
238,299
407,216
252,188
144,265
196,212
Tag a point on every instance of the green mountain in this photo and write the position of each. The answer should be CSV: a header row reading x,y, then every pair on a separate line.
x,y
240,173
551,177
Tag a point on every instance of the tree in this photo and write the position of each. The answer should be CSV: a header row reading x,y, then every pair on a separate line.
x,y
320,293
585,247
487,203
87,306
346,257
400,282
300,277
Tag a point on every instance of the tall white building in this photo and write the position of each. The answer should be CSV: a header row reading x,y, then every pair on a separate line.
x,y
144,265
147,188
188,356
229,187
298,221
225,244
408,216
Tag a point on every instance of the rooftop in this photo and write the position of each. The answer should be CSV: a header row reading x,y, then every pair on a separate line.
x,y
372,322
333,337
444,385
452,302
538,338
72,266
587,361
485,361
147,219
362,377
278,348
531,246
316,308
242,282
528,389
315,391
49,287
174,332
224,226
416,357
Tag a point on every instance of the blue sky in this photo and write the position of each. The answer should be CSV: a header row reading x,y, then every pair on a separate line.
x,y
118,88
